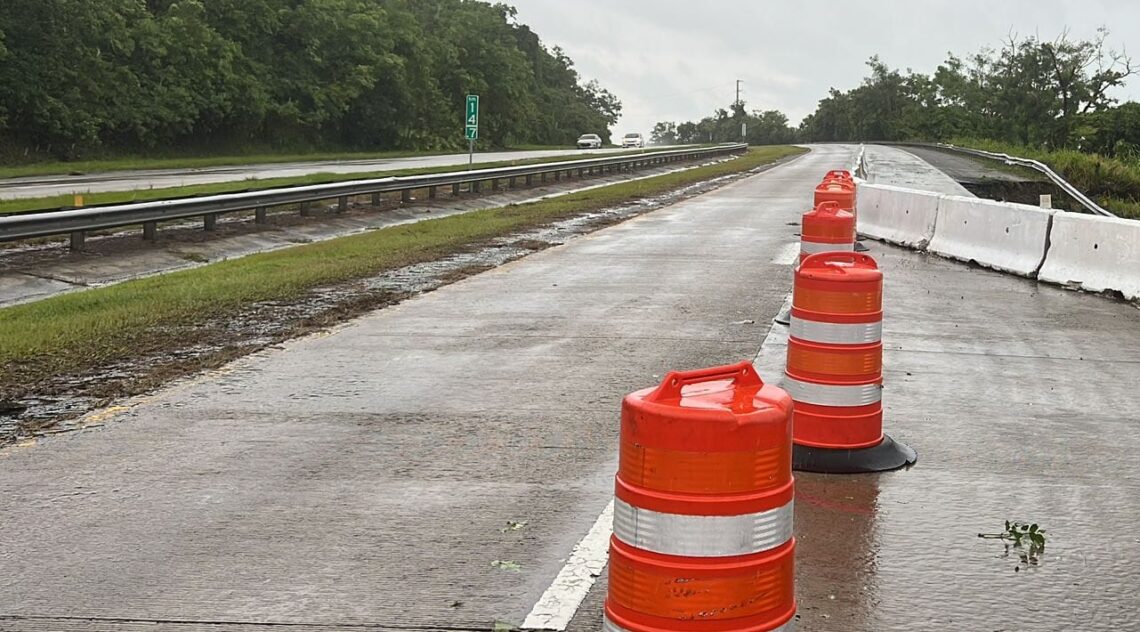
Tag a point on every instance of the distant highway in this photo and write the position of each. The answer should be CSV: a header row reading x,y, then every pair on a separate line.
x,y
44,186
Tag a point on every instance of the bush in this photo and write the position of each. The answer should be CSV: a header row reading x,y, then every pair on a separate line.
x,y
1113,182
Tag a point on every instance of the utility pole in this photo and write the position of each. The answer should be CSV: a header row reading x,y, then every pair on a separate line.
x,y
737,104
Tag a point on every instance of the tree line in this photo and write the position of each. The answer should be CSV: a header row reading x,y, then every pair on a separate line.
x,y
1041,93
109,76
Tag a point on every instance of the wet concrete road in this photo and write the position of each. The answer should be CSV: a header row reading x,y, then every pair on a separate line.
x,y
1023,403
365,477
43,186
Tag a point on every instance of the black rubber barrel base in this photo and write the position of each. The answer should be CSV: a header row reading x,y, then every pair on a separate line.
x,y
888,455
860,246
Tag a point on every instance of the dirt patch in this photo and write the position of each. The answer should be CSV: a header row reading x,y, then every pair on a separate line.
x,y
49,399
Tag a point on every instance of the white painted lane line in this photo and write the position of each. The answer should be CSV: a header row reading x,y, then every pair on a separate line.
x,y
558,604
787,255
562,599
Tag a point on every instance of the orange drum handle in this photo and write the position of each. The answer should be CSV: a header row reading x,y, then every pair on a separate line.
x,y
855,259
828,207
743,373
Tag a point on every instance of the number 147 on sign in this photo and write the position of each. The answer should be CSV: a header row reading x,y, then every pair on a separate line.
x,y
472,118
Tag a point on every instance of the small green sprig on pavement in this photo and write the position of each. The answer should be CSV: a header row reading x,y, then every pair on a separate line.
x,y
1027,539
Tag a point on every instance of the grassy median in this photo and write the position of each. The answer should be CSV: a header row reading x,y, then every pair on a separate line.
x,y
54,202
74,333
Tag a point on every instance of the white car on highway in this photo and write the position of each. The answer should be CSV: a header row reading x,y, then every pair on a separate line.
x,y
589,141
633,140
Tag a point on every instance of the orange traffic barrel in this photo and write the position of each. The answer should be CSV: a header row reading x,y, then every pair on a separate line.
x,y
834,367
703,507
827,228
842,192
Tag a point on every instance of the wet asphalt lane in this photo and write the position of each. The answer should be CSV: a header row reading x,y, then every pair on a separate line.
x,y
365,476
44,186
964,168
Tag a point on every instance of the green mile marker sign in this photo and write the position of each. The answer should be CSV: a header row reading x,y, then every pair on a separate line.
x,y
472,121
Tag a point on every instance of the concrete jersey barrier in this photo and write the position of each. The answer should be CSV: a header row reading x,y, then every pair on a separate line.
x,y
896,215
999,235
1095,253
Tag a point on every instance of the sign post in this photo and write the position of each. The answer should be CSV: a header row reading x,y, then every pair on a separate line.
x,y
471,126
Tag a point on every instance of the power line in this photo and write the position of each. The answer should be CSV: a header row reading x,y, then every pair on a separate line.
x,y
719,86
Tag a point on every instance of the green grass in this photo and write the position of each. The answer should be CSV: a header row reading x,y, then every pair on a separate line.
x,y
1114,183
134,163
30,205
73,332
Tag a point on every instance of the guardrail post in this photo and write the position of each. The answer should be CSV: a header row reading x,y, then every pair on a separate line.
x,y
406,196
324,194
77,239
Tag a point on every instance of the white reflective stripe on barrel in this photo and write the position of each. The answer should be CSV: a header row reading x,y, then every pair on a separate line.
x,y
832,395
610,626
836,333
815,247
702,536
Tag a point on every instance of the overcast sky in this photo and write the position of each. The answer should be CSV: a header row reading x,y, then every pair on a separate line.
x,y
679,59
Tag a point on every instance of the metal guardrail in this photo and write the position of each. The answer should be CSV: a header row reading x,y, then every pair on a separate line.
x,y
78,222
1063,184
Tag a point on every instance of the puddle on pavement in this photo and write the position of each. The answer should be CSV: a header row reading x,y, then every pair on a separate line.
x,y
261,325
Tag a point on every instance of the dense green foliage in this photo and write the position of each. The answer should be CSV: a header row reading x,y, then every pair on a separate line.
x,y
86,76
760,128
1047,100
1030,92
